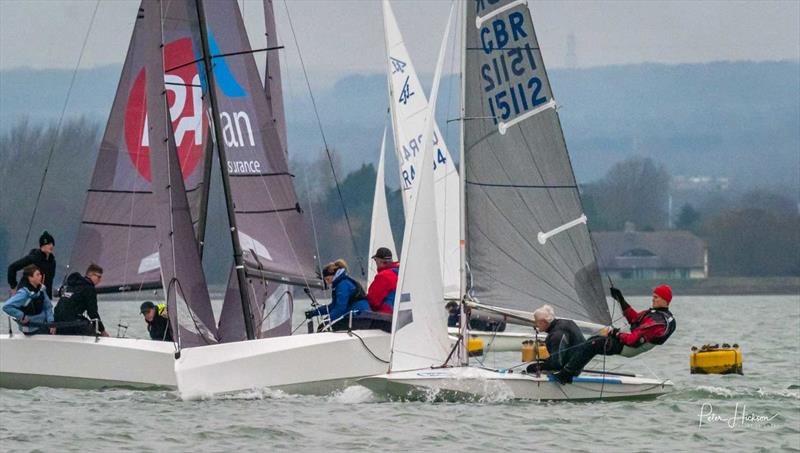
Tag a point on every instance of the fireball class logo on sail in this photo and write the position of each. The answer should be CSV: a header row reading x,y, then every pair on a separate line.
x,y
185,100
409,150
510,81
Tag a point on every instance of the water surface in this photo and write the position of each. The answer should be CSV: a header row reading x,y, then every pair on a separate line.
x,y
767,328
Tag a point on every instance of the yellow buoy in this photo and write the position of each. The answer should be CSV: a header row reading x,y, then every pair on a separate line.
x,y
530,353
716,359
475,347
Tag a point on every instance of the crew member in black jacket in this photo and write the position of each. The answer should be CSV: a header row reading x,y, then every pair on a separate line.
x,y
563,337
80,297
43,258
157,321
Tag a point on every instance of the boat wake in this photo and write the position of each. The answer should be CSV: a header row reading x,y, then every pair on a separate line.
x,y
715,392
354,394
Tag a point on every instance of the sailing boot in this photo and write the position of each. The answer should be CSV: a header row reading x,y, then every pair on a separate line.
x,y
563,376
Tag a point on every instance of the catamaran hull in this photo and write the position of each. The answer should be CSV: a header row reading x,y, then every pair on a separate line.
x,y
85,362
309,364
468,383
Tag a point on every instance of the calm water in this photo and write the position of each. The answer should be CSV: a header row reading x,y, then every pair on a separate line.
x,y
768,328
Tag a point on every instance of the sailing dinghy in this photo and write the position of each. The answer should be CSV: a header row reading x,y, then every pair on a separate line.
x,y
523,243
408,108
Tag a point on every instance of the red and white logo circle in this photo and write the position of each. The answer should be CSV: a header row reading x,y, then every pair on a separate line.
x,y
184,97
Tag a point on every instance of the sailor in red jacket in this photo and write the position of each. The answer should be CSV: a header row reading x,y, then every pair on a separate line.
x,y
380,294
649,328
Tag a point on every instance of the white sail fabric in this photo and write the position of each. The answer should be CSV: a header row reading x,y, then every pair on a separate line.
x,y
380,234
409,108
419,338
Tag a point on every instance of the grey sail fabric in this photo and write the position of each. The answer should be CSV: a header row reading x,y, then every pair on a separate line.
x,y
272,314
272,228
118,225
188,302
272,83
519,180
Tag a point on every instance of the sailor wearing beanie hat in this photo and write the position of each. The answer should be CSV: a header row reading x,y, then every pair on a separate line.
x,y
649,328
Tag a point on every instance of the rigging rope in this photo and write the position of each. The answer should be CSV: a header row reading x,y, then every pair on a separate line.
x,y
58,127
325,142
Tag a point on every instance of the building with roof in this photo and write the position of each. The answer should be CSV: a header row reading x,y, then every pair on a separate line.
x,y
670,254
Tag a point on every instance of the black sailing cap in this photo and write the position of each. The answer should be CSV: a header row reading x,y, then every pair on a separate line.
x,y
383,253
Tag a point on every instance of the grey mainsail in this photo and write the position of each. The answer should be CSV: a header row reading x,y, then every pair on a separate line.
x,y
272,230
188,302
519,183
118,225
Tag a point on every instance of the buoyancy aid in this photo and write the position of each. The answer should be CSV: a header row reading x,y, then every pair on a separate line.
x,y
661,317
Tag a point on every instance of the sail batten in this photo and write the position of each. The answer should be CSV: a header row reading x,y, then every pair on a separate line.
x,y
519,184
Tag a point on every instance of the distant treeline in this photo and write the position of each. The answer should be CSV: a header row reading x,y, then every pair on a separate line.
x,y
751,233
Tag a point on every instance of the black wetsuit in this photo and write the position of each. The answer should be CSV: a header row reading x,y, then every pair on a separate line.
x,y
563,339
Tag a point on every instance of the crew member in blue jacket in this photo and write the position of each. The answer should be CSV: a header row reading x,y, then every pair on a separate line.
x,y
348,295
30,306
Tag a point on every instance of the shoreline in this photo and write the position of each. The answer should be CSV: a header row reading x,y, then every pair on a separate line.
x,y
714,286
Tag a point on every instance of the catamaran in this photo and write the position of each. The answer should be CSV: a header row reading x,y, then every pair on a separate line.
x,y
144,222
525,235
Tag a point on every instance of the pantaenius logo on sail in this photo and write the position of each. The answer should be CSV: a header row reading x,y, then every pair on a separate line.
x,y
185,100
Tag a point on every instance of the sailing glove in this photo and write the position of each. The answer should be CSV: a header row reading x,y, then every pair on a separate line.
x,y
616,294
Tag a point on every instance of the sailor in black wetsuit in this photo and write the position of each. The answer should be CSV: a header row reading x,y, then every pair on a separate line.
x,y
563,337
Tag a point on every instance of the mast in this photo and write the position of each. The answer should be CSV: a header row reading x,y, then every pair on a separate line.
x,y
226,185
462,178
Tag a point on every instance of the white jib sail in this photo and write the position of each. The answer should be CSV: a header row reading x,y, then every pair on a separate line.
x,y
419,336
409,108
380,234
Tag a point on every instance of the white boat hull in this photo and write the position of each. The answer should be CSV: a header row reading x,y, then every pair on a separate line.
x,y
311,364
85,362
472,383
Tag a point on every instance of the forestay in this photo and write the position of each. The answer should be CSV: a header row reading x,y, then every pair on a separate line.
x,y
380,234
409,108
419,337
519,180
118,225
272,229
188,303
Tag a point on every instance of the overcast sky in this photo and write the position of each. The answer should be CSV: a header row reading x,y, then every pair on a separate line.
x,y
345,36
